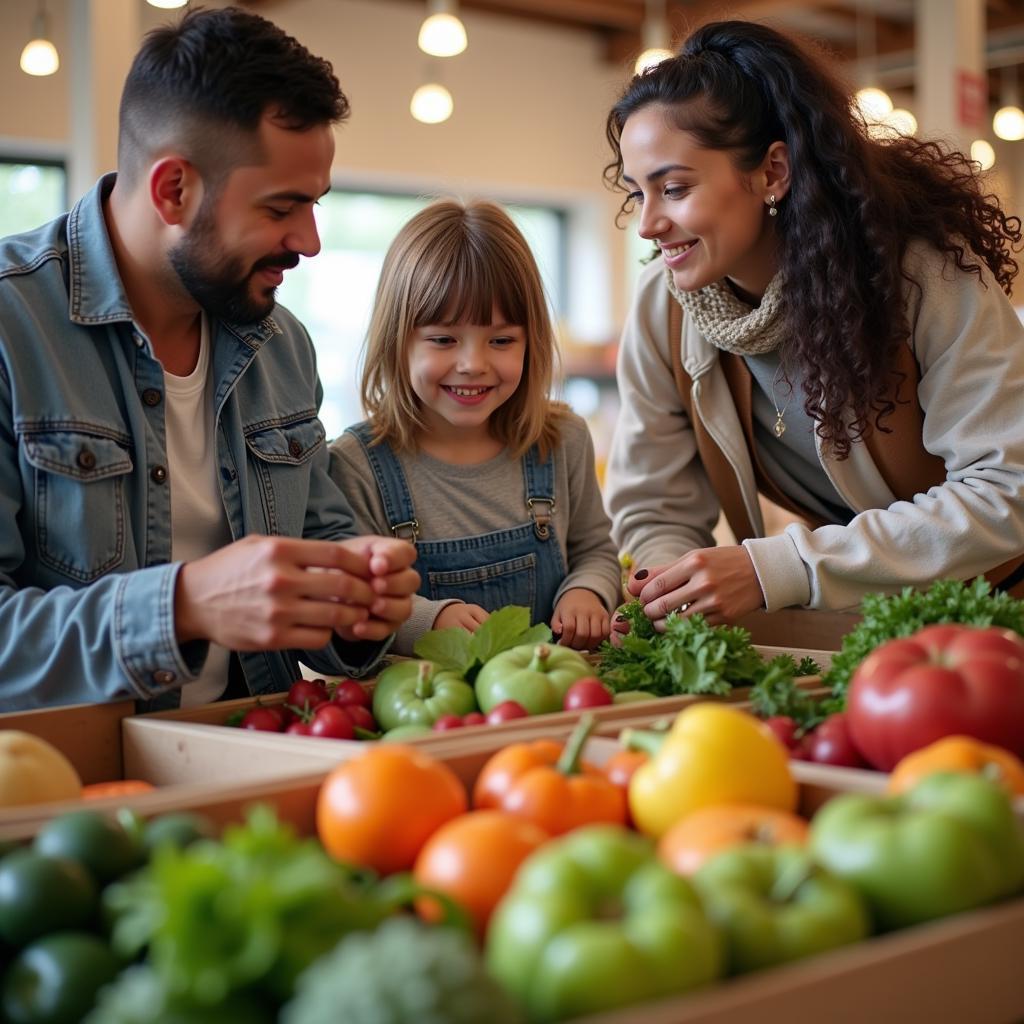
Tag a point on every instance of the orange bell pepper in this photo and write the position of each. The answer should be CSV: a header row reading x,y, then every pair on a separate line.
x,y
549,784
959,754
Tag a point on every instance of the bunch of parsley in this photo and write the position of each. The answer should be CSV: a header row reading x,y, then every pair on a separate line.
x,y
689,657
885,617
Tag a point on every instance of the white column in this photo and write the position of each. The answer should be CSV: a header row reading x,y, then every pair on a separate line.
x,y
105,36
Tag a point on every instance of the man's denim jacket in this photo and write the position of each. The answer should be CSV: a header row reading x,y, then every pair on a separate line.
x,y
86,577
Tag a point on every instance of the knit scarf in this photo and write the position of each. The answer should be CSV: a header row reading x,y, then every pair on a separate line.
x,y
730,324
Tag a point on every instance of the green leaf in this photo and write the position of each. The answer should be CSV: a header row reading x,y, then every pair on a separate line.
x,y
500,631
447,648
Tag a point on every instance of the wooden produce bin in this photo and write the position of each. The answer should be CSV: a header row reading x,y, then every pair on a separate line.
x,y
799,627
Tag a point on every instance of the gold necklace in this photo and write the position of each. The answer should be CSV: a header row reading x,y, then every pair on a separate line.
x,y
780,427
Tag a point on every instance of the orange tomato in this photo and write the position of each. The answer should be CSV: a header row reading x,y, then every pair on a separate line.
x,y
473,859
116,788
379,808
549,785
959,754
709,830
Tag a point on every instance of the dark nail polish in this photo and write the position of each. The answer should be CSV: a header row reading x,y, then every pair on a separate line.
x,y
641,574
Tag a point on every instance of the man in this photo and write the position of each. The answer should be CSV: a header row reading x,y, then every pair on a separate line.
x,y
164,496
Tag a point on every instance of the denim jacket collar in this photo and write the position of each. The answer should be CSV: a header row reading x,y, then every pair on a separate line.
x,y
95,291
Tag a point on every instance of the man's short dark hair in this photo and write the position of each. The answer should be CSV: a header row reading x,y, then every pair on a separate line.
x,y
206,83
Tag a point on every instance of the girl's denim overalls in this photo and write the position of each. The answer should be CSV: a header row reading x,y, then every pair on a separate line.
x,y
522,565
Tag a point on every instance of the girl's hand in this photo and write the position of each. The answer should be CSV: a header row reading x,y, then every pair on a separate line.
x,y
461,616
720,583
581,619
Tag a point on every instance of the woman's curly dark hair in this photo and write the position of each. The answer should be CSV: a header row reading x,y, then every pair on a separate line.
x,y
854,204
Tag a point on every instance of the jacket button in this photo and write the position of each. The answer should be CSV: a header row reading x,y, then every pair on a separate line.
x,y
152,396
295,448
86,459
162,677
158,474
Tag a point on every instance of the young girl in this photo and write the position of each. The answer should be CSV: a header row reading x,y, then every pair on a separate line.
x,y
840,341
463,451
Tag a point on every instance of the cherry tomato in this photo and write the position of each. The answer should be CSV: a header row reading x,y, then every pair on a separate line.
x,y
506,711
332,722
831,743
446,722
784,729
299,728
263,719
349,692
588,692
361,717
307,693
474,718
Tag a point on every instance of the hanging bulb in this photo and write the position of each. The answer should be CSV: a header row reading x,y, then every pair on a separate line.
x,y
873,103
1008,123
431,104
442,34
650,58
983,154
655,38
167,5
902,121
40,56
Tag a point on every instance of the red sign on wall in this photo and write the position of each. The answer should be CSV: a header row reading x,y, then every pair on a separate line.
x,y
971,98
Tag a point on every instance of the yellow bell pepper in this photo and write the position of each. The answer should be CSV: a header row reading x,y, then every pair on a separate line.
x,y
713,754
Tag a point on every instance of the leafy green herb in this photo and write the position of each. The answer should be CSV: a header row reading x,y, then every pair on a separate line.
x,y
885,617
776,692
466,653
689,657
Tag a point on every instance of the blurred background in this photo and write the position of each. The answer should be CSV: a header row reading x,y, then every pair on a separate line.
x,y
514,112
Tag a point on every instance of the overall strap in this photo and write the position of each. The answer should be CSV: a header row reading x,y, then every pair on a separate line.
x,y
539,478
391,482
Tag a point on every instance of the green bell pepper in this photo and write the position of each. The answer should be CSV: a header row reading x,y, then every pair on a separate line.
x,y
950,843
536,676
594,921
417,693
775,905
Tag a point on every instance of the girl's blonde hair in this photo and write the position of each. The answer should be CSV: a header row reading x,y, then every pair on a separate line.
x,y
457,261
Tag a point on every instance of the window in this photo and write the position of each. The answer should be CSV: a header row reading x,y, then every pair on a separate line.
x,y
31,193
333,293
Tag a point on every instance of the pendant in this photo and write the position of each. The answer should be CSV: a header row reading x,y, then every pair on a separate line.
x,y
779,428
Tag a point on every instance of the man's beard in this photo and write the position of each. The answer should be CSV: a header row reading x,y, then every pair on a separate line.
x,y
219,281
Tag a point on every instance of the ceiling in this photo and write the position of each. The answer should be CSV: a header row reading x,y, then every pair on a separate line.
x,y
847,27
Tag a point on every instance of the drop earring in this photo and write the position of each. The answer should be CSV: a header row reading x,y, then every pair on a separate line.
x,y
772,211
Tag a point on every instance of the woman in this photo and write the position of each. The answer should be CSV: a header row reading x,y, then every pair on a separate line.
x,y
826,323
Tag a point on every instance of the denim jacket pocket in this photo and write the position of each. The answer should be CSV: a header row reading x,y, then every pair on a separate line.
x,y
79,500
282,453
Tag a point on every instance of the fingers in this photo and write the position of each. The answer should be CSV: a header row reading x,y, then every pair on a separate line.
x,y
401,583
643,577
394,610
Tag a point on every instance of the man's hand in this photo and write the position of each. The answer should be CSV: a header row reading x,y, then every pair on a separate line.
x,y
581,619
274,593
461,616
720,583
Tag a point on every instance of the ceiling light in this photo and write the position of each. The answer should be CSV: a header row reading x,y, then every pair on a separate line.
x,y
40,56
873,103
167,5
442,34
431,104
983,153
656,38
1008,123
902,121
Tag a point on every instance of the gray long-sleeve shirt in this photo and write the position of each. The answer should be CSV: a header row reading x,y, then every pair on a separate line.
x,y
454,501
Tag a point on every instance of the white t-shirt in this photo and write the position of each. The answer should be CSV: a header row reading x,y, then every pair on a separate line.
x,y
199,524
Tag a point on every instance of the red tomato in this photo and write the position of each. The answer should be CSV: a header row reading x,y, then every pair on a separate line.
x,y
349,692
446,722
263,719
361,717
506,711
784,729
588,692
942,681
332,722
831,743
474,718
307,693
299,728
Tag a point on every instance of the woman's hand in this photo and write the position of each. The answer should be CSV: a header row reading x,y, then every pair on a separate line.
x,y
720,583
581,619
460,616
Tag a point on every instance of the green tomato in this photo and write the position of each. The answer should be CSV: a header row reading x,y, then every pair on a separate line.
x,y
55,980
536,676
417,693
40,894
402,733
594,921
775,905
100,844
949,844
